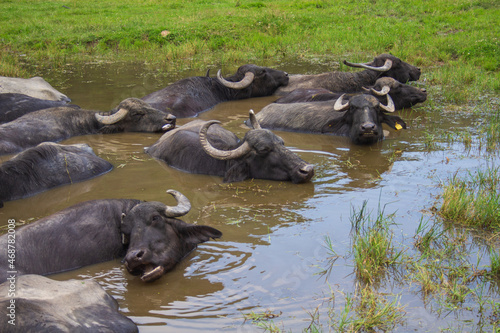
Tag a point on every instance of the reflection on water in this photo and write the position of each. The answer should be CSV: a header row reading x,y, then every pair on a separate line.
x,y
273,232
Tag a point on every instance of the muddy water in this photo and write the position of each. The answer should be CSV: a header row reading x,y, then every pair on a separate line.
x,y
272,247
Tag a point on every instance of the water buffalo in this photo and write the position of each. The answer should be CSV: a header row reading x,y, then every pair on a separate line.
x,y
199,147
190,96
360,118
403,95
146,233
43,305
34,87
382,66
48,165
56,124
13,105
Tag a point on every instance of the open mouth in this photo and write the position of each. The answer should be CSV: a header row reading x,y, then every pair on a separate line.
x,y
167,127
148,273
368,134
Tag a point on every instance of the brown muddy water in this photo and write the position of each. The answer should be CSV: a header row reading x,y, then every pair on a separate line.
x,y
273,244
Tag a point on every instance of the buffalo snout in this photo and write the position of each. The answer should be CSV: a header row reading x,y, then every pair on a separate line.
x,y
305,173
170,121
368,128
136,258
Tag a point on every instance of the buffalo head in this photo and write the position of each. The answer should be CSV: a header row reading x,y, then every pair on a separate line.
x,y
156,240
255,81
135,115
403,95
262,154
363,118
389,65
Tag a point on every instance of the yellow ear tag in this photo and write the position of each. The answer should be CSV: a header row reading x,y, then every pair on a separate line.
x,y
398,126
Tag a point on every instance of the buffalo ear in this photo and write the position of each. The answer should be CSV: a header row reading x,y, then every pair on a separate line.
x,y
237,173
195,234
394,121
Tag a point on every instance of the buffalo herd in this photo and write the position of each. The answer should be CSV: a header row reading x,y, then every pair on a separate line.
x,y
148,235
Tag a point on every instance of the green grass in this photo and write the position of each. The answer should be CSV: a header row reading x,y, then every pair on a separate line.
x,y
455,42
372,245
367,310
491,129
474,200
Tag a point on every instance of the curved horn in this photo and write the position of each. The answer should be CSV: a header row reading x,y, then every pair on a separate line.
x,y
253,120
390,105
183,205
220,154
384,91
245,82
387,65
112,119
340,105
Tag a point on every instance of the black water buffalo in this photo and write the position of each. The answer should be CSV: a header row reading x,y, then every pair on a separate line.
x,y
146,233
48,165
190,96
44,305
360,118
13,106
199,147
382,66
34,87
56,124
403,95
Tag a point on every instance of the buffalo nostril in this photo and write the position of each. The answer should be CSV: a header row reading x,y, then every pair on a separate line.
x,y
306,172
368,127
139,254
307,169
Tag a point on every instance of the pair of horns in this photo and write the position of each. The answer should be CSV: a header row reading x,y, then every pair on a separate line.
x,y
387,65
242,150
112,119
382,92
245,82
340,105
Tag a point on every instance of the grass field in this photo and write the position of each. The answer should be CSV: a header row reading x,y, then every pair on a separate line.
x,y
455,42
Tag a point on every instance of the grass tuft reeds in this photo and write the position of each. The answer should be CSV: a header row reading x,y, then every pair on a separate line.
x,y
367,310
475,200
372,245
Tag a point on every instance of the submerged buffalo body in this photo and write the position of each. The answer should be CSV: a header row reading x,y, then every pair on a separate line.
x,y
147,233
190,96
360,118
34,87
403,95
46,166
13,106
199,147
385,65
43,305
56,124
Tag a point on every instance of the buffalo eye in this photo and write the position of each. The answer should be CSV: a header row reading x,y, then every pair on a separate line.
x,y
138,114
263,149
156,220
